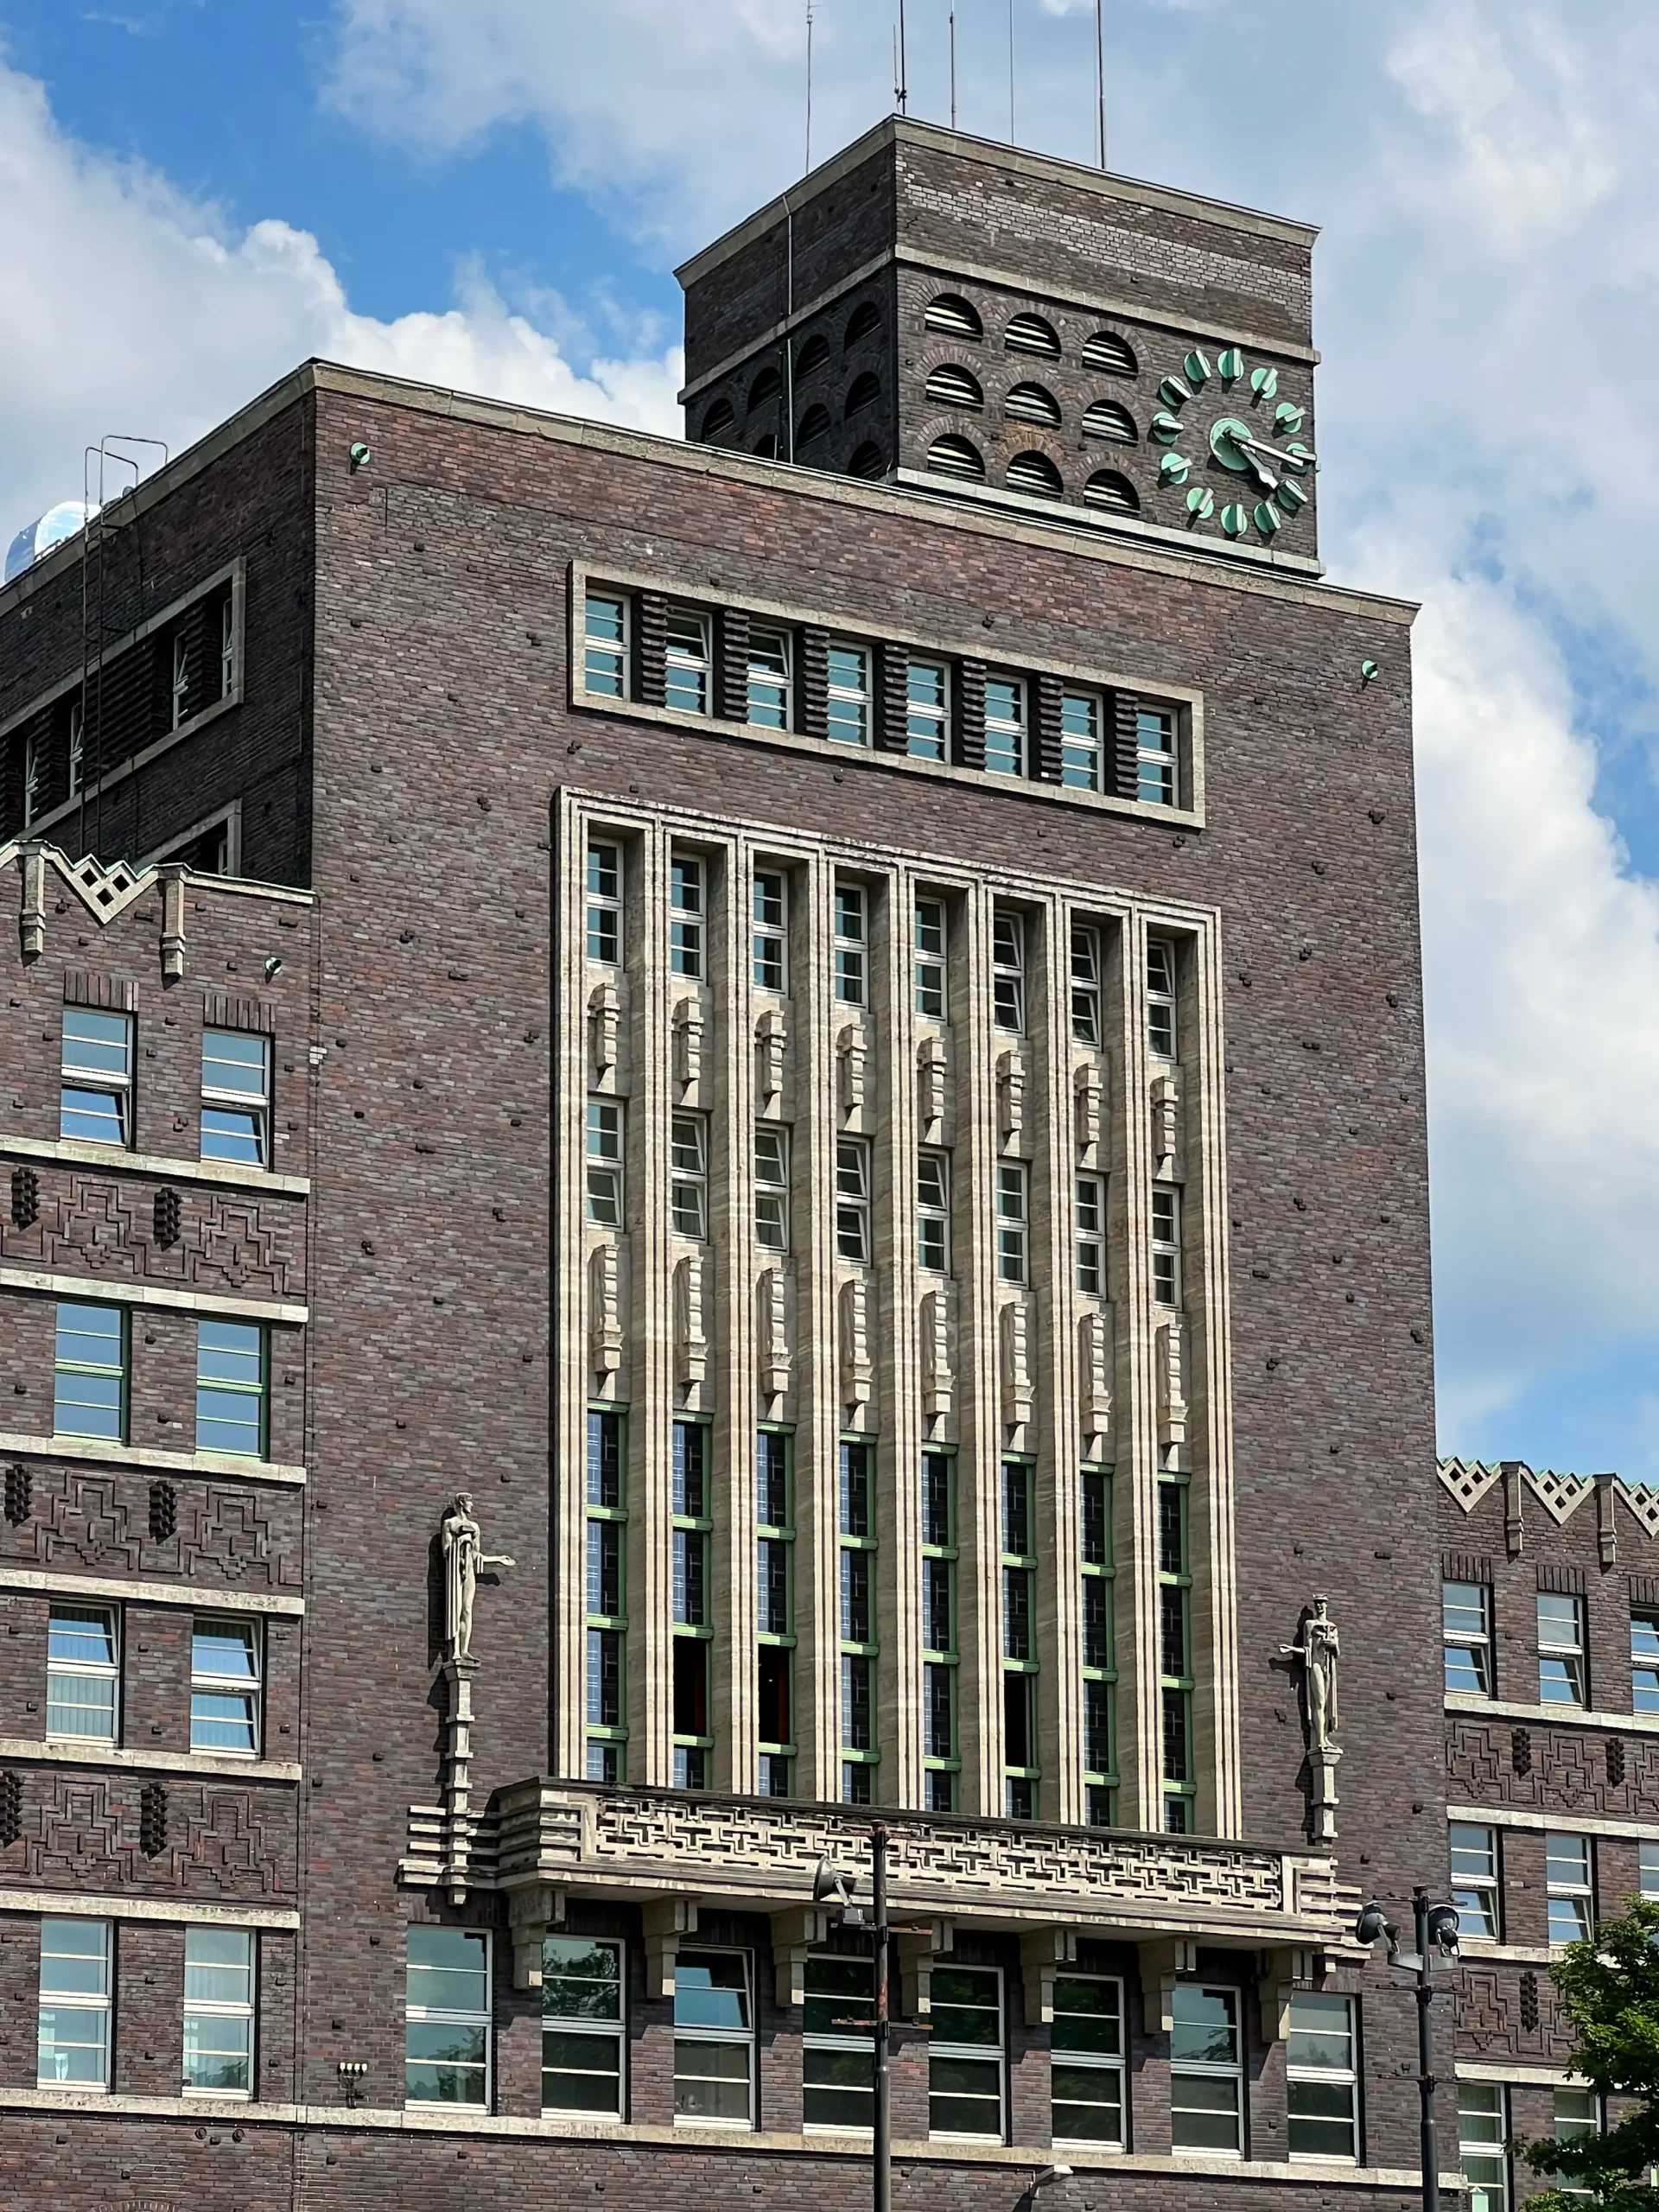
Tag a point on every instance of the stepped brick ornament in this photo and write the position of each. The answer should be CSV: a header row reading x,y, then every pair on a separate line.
x,y
464,1557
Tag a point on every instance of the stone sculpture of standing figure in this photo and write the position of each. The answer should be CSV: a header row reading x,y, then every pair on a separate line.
x,y
1319,1651
464,1557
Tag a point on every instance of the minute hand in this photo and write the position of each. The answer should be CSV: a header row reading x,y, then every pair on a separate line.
x,y
1288,459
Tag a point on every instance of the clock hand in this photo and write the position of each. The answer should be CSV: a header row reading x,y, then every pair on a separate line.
x,y
1290,460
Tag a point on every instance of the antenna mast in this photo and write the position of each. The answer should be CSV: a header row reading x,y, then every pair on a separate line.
x,y
953,68
808,84
1010,71
901,89
1100,74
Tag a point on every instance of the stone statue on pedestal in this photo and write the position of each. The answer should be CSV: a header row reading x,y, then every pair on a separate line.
x,y
1317,1650
464,1557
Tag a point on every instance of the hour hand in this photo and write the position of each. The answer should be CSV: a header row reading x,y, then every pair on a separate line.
x,y
1298,459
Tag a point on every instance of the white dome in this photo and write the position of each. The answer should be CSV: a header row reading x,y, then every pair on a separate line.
x,y
65,520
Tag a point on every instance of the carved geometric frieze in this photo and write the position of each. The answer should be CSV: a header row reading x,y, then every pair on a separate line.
x,y
939,1354
110,1830
771,1329
1560,1496
770,1033
117,1521
932,1073
1094,1373
1467,1481
691,1324
1016,1331
1643,1503
854,1313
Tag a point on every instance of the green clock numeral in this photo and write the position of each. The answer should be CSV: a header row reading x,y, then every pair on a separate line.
x,y
1235,519
1299,459
1200,503
1197,369
1267,519
1173,392
1166,428
1264,383
1291,497
1230,364
1287,417
1174,468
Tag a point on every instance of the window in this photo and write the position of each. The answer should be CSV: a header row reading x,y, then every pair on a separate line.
x,y
949,314
1160,998
1091,1234
226,646
236,1097
964,2071
1561,1676
218,1969
1167,1243
73,2047
1644,1659
713,2039
1649,1877
1082,720
838,2043
606,1510
605,1163
92,1372
1322,2079
772,1187
685,916
1483,2139
604,904
447,2028
853,1200
1175,1671
927,710
1010,1221
33,778
96,1102
232,1389
1085,984
849,944
771,691
1577,2114
693,1529
1474,1880
1205,2078
685,672
940,1657
850,695
582,2025
1466,1625
770,940
1086,2082
689,1185
930,958
1567,1880
775,1565
1156,782
225,1686
1099,1652
1029,333
179,688
933,1212
77,749
1004,726
856,1526
1008,971
83,1672
1019,1562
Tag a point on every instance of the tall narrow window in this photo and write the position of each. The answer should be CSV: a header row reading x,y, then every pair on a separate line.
x,y
1018,1560
686,667
1090,1200
1648,1869
927,710
218,1983
1085,984
447,2017
1086,2082
1082,720
685,916
180,687
33,778
1099,1652
771,938
1161,1035
605,1163
236,1097
605,646
771,672
1011,1221
92,1368
606,1513
583,2025
1569,1881
853,1200
775,1594
1156,767
1322,2079
1466,1629
225,1686
83,1673
604,904
966,2055
1004,726
772,1187
233,1388
1644,1659
933,1212
226,646
850,945
73,2032
1475,1889
850,695
1008,971
713,2040
688,1183
96,1100
1167,1243
1175,1678
1577,2114
930,958
693,1528
1206,2084
941,1658
859,1648
1483,2145
838,2043
77,749
1563,1678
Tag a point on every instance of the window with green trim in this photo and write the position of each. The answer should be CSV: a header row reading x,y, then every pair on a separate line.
x,y
775,1593
92,1370
941,1655
1022,1766
1099,1776
692,1529
583,2025
233,1388
606,1520
1175,1679
860,1650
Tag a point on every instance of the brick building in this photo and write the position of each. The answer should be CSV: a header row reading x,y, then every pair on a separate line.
x,y
724,1289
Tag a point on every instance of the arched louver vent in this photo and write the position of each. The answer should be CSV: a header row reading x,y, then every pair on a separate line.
x,y
864,322
814,424
767,385
866,391
717,423
1106,488
1029,333
951,314
1032,402
812,355
765,446
1036,473
869,460
1106,419
950,386
1106,350
952,456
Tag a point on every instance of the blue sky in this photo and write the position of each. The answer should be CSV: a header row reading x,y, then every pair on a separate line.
x,y
196,194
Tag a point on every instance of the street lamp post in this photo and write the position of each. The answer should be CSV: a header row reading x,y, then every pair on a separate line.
x,y
881,2185
1434,1927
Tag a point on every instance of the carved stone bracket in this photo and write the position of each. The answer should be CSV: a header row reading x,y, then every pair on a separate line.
x,y
604,1029
851,1055
1043,1952
687,1050
1162,1965
795,1936
1089,1100
666,1920
1280,1974
1010,1097
532,1911
919,1948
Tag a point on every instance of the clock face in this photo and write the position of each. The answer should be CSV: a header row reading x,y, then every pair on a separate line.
x,y
1234,452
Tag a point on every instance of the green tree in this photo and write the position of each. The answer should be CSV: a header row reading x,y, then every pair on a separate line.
x,y
1610,1991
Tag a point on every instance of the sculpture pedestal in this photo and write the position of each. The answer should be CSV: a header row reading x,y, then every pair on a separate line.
x,y
1322,1798
457,1787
